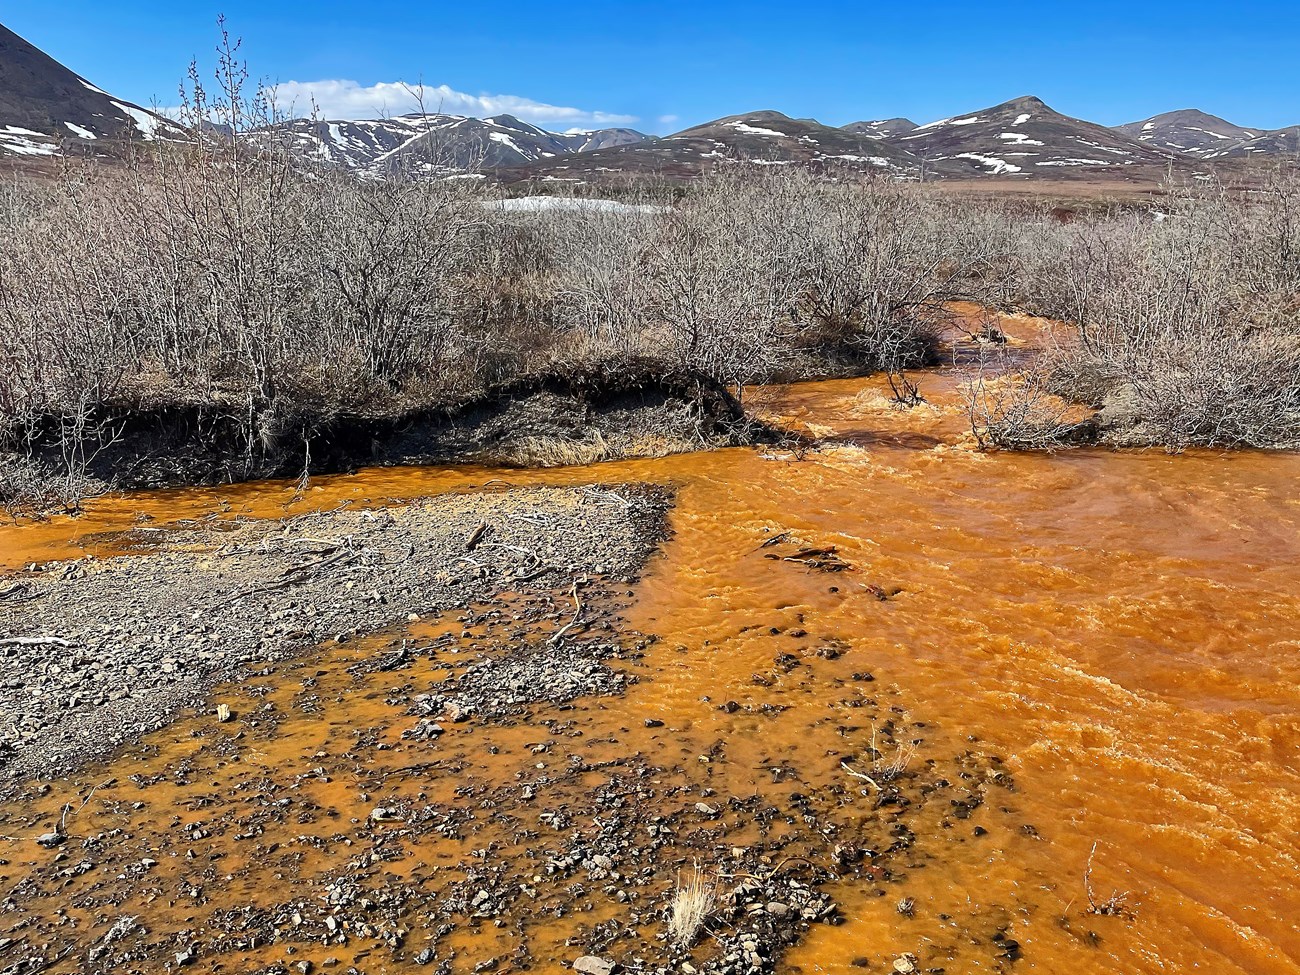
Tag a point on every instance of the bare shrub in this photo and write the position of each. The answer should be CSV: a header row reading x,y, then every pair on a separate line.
x,y
1188,323
1014,409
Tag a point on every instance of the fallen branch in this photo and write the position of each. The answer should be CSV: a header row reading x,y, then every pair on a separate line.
x,y
19,593
824,559
476,536
36,641
577,612
63,820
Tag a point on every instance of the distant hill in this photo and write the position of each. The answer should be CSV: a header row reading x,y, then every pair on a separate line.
x,y
439,143
882,128
1276,142
46,109
764,137
593,139
1190,132
1023,138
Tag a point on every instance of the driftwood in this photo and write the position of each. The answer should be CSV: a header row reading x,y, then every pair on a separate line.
x,y
36,641
476,536
19,593
298,574
822,559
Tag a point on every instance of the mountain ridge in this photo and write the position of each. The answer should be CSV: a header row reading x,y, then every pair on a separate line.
x,y
47,110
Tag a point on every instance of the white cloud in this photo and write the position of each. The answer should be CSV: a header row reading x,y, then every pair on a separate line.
x,y
667,119
340,99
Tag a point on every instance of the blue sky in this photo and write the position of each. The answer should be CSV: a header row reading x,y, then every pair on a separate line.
x,y
662,66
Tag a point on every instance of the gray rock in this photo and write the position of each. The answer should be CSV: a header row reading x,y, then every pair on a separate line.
x,y
593,965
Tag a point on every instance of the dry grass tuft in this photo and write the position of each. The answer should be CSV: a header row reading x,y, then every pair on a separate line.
x,y
694,900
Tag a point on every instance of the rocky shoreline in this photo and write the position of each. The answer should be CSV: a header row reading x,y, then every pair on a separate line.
x,y
420,758
97,652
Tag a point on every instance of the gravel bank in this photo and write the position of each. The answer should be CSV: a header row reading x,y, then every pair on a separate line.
x,y
98,652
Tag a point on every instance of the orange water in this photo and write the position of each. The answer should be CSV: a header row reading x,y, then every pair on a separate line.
x,y
1120,628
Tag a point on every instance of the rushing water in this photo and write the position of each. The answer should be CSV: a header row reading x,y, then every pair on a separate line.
x,y
1120,628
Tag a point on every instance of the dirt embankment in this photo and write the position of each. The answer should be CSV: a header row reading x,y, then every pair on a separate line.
x,y
533,422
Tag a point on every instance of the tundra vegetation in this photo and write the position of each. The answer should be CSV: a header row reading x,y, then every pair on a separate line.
x,y
227,277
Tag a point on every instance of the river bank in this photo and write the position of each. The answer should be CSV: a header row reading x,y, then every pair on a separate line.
x,y
101,651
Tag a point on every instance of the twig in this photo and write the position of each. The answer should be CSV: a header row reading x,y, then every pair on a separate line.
x,y
577,612
862,776
63,820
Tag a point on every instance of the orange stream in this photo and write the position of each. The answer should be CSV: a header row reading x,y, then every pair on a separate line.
x,y
1121,628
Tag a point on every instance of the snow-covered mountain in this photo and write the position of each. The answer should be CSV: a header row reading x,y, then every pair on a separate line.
x,y
419,143
46,109
1191,132
1274,142
764,137
590,140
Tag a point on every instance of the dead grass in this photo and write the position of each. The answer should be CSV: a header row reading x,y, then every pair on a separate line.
x,y
695,898
594,448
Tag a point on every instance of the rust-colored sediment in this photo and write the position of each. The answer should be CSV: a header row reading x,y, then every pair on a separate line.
x,y
1120,628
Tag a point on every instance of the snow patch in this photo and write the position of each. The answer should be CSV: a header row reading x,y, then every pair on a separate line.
x,y
871,160
551,204
81,133
506,140
146,123
1019,139
15,140
994,164
755,130
1022,119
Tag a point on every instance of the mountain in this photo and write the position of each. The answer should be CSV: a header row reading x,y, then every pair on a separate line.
x,y
1023,138
46,109
765,137
419,143
882,128
1275,142
591,140
1190,132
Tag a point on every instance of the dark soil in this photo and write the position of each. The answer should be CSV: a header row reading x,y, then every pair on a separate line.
x,y
532,422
